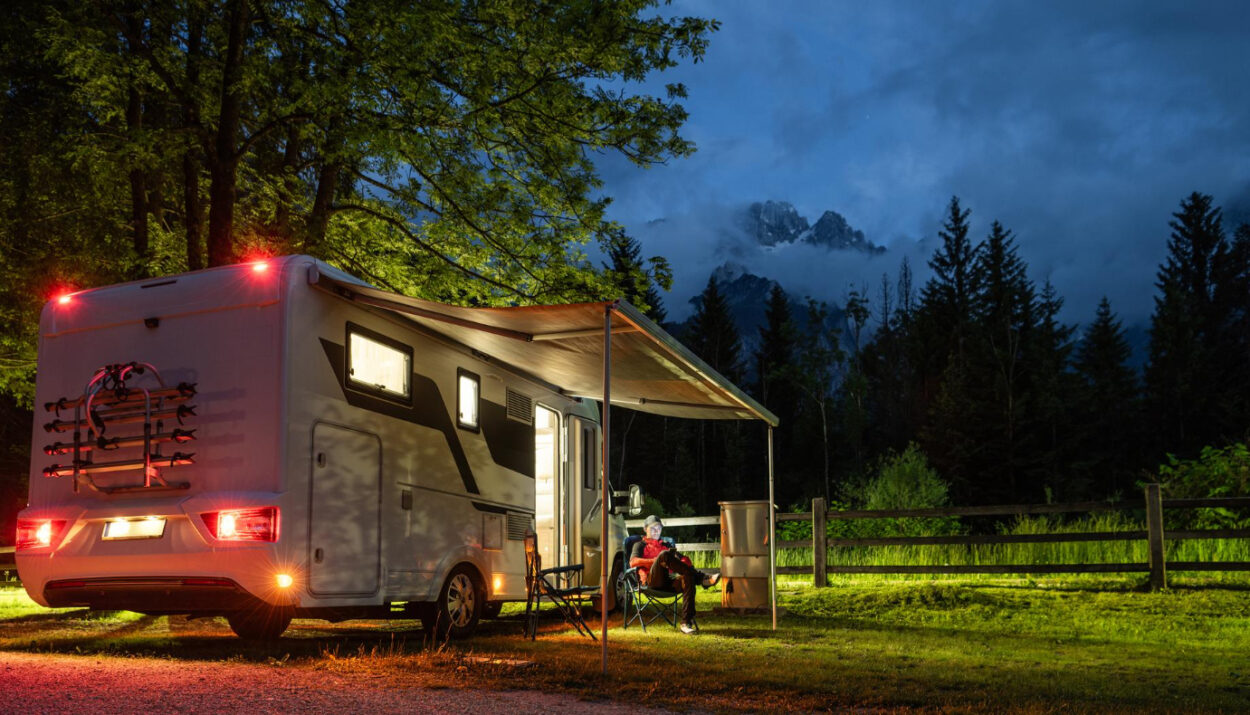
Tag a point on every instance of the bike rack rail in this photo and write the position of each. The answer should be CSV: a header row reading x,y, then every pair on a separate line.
x,y
109,401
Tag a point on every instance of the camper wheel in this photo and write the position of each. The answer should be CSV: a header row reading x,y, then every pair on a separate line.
x,y
460,604
615,585
260,624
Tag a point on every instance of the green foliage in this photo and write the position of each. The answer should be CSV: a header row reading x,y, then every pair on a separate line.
x,y
905,481
445,150
1216,472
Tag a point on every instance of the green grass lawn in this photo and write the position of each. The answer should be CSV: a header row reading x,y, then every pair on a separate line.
x,y
973,645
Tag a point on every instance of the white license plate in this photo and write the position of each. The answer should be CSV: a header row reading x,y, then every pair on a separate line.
x,y
149,527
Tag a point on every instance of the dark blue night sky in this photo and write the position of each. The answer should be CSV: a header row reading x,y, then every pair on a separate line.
x,y
1079,125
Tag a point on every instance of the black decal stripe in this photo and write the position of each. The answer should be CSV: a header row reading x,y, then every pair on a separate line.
x,y
511,443
427,409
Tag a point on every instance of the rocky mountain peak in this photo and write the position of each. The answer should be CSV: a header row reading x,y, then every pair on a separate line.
x,y
832,231
773,222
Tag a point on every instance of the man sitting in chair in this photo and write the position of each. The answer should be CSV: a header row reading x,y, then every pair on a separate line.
x,y
660,566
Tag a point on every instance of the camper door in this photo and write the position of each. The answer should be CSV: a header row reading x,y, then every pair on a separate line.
x,y
583,440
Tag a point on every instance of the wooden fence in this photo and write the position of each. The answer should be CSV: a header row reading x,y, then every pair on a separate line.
x,y
1154,535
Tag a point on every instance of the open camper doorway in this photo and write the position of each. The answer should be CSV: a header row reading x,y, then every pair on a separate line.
x,y
549,511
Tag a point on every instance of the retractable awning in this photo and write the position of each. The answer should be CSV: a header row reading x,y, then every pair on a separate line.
x,y
563,345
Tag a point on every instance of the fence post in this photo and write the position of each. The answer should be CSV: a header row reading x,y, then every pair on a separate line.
x,y
820,554
1154,537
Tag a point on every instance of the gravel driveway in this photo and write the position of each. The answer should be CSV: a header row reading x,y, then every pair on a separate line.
x,y
36,683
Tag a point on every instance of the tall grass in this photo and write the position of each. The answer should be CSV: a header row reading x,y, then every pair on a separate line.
x,y
1076,552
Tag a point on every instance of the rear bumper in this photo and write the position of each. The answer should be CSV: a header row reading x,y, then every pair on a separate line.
x,y
159,595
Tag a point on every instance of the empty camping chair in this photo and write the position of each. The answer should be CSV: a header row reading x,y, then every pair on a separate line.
x,y
544,583
642,604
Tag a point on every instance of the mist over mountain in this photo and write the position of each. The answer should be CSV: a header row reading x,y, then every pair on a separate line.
x,y
775,222
771,240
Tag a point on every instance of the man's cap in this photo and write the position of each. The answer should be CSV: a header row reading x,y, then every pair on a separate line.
x,y
651,519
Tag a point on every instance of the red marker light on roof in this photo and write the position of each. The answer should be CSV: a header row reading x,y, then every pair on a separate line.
x,y
260,266
64,299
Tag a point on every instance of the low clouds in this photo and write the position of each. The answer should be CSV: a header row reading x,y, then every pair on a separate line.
x,y
1079,125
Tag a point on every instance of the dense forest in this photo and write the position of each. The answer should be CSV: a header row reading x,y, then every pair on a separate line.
x,y
447,151
974,378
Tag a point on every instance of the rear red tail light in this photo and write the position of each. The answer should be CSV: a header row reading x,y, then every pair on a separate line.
x,y
38,533
243,524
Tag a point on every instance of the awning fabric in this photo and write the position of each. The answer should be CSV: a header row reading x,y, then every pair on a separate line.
x,y
562,345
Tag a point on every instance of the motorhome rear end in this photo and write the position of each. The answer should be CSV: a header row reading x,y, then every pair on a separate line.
x,y
345,461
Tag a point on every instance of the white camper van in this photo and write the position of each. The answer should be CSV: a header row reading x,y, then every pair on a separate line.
x,y
259,441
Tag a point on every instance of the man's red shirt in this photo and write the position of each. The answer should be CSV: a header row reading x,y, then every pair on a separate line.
x,y
651,548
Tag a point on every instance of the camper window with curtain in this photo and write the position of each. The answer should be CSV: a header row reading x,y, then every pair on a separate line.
x,y
378,364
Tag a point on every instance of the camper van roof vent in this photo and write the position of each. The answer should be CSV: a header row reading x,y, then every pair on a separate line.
x,y
520,407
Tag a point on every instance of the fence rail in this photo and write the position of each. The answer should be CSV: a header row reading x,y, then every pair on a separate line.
x,y
1154,535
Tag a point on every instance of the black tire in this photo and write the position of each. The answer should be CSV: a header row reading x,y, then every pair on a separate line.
x,y
261,624
460,605
616,586
492,609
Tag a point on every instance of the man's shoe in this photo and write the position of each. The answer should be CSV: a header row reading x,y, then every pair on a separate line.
x,y
688,628
710,581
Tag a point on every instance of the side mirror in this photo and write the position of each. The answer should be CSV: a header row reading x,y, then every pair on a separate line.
x,y
633,503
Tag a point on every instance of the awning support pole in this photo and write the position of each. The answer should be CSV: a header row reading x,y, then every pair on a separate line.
x,y
772,527
606,504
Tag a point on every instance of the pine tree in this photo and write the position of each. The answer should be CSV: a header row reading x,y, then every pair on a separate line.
x,y
713,336
1053,386
1003,307
947,298
1183,385
635,280
940,348
1108,412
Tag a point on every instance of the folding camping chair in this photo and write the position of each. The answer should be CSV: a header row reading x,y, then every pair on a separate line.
x,y
543,583
641,603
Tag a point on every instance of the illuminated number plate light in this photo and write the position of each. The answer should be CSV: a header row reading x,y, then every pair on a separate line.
x,y
152,527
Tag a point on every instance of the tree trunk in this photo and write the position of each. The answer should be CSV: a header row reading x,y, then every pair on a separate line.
x,y
193,209
223,161
134,128
319,219
290,184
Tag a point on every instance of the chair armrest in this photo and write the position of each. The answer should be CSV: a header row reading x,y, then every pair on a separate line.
x,y
576,568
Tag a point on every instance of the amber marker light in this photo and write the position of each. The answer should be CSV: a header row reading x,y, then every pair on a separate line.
x,y
284,580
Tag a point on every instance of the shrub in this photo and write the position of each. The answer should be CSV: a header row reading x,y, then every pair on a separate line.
x,y
1217,472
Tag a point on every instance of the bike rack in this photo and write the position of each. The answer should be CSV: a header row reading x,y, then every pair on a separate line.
x,y
108,401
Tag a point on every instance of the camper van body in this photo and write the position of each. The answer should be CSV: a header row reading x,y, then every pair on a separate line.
x,y
369,464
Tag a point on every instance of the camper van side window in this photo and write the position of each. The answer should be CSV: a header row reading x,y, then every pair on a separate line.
x,y
378,364
468,389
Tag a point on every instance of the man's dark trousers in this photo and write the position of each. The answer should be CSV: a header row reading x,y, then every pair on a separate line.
x,y
668,570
